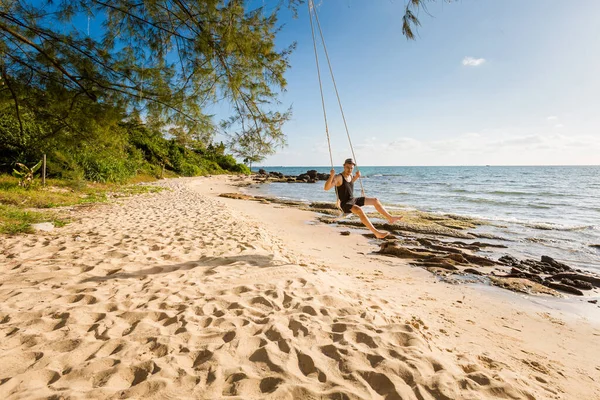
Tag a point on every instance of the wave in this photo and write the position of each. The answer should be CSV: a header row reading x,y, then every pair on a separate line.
x,y
540,206
590,208
555,227
461,191
549,226
583,228
479,200
540,226
383,174
520,193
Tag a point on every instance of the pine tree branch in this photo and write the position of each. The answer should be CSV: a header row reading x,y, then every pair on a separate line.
x,y
15,98
53,61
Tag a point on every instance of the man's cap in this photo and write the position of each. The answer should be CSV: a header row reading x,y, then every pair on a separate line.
x,y
349,161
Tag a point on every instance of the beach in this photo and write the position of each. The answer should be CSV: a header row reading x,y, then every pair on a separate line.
x,y
187,295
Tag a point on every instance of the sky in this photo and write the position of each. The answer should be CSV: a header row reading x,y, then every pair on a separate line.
x,y
508,82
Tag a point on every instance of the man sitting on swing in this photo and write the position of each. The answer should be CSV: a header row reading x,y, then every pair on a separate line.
x,y
350,204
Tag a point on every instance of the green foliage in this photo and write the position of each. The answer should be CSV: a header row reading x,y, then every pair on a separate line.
x,y
15,220
226,162
105,167
26,174
241,169
62,164
167,62
81,101
16,144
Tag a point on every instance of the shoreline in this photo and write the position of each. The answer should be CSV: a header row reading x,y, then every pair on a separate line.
x,y
569,306
418,229
543,215
184,293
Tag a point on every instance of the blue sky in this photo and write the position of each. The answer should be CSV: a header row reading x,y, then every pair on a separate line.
x,y
486,82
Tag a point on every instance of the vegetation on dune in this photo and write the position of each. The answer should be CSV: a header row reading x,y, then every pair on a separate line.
x,y
21,207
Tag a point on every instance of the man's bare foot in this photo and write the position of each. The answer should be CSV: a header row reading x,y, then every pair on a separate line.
x,y
394,219
381,235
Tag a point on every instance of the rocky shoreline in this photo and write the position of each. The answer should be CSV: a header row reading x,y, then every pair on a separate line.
x,y
426,239
311,176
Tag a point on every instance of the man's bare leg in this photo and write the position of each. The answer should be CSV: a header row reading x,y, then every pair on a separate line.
x,y
372,201
363,218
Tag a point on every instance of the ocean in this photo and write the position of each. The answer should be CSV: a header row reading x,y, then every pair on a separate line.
x,y
537,210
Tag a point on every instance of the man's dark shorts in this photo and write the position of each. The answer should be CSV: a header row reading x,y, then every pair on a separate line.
x,y
357,201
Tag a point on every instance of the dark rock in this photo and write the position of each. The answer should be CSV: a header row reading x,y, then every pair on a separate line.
x,y
522,274
587,278
583,285
558,265
483,261
473,271
508,260
567,281
437,264
312,173
328,206
459,258
428,243
262,172
322,177
563,288
483,244
394,249
592,301
345,233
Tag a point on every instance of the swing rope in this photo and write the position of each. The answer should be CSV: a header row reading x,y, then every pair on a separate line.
x,y
310,7
312,10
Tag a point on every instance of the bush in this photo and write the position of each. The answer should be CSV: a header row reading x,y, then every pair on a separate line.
x,y
241,169
62,164
226,161
211,167
107,167
188,169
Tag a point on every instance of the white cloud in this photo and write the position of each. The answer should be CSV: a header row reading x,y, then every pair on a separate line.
x,y
530,141
472,62
507,145
558,125
405,143
552,117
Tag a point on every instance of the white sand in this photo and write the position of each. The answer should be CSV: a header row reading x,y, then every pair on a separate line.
x,y
182,295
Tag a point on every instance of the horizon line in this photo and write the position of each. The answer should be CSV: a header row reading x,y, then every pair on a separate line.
x,y
403,166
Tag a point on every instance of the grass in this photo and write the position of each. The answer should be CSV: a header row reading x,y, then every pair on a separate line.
x,y
20,208
14,220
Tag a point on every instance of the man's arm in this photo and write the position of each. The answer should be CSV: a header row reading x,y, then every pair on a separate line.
x,y
332,181
356,176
